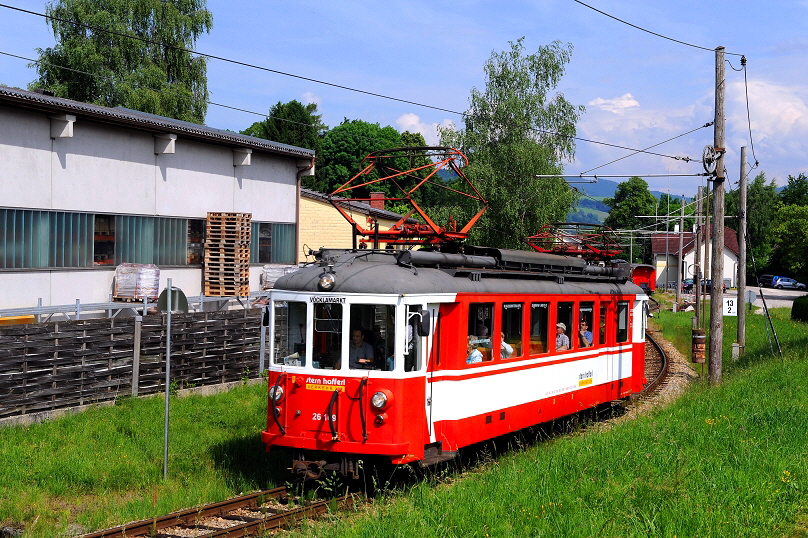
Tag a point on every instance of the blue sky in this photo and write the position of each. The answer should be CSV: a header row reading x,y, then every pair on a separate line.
x,y
638,89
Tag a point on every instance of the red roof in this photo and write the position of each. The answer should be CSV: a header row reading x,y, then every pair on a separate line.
x,y
659,244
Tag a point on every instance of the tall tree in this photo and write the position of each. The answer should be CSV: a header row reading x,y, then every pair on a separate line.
x,y
513,130
342,151
761,208
131,53
632,199
796,192
290,123
790,233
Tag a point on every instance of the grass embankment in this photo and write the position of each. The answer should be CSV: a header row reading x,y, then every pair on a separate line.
x,y
723,461
730,460
104,467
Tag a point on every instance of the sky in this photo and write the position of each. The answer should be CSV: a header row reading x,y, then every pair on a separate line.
x,y
639,89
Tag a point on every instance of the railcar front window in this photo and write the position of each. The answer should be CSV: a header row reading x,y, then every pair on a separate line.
x,y
327,339
290,333
604,318
539,318
511,336
622,321
372,329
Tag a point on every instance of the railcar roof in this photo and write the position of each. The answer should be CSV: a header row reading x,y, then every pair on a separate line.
x,y
377,272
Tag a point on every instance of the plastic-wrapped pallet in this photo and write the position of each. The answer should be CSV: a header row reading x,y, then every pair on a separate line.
x,y
271,273
136,281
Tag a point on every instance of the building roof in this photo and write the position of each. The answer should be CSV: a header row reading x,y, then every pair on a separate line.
x,y
133,119
669,242
359,207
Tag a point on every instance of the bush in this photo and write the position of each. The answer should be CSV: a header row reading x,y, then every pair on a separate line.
x,y
799,310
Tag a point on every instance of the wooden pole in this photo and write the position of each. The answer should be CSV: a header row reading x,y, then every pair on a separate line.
x,y
697,260
742,255
717,266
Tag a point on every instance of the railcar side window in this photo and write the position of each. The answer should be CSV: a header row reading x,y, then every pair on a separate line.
x,y
539,318
412,342
290,333
564,326
604,318
622,321
586,337
372,330
327,344
511,336
481,323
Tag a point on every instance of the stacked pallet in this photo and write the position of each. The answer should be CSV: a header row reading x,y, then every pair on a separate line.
x,y
227,254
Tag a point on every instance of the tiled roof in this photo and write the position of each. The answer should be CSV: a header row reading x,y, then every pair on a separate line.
x,y
659,244
133,119
359,207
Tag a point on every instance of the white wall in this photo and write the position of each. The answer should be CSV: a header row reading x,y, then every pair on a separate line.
x,y
730,267
109,169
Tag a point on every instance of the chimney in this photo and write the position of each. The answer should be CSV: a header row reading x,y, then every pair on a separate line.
x,y
377,200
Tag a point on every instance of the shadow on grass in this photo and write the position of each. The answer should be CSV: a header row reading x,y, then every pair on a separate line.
x,y
247,466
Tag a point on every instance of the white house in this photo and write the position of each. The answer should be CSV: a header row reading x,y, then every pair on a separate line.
x,y
665,250
84,188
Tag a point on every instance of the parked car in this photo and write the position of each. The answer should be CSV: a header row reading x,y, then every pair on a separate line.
x,y
687,285
707,286
788,283
768,280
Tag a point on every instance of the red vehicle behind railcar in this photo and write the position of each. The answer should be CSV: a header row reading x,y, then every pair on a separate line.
x,y
411,355
644,276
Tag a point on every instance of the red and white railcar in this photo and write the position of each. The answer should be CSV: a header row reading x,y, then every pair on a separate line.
x,y
425,315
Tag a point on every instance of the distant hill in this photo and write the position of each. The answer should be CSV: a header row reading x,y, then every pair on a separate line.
x,y
605,188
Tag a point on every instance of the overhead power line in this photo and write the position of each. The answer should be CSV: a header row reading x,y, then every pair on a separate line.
x,y
652,33
309,79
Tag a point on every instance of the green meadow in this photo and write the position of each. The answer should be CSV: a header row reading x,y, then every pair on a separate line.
x,y
730,460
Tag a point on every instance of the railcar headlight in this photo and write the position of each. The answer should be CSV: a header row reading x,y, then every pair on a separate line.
x,y
379,400
276,393
327,281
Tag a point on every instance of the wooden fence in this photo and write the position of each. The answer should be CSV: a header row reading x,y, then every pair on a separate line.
x,y
50,366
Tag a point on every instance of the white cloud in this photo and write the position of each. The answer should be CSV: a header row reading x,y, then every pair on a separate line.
x,y
411,122
618,105
309,97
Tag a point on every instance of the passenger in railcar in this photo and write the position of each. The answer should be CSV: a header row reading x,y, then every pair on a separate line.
x,y
585,334
360,353
562,340
472,353
506,350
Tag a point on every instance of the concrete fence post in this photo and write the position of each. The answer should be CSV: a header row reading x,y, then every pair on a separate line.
x,y
136,356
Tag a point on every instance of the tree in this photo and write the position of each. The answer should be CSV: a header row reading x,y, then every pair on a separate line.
x,y
290,123
796,192
791,235
513,130
341,153
631,199
131,53
761,208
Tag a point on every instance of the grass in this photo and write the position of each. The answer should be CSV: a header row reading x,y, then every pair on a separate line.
x,y
721,461
104,466
729,460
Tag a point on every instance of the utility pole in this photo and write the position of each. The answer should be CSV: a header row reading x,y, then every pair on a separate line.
x,y
742,255
717,266
679,257
706,267
697,259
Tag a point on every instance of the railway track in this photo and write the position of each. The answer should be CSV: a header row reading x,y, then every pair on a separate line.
x,y
657,367
247,515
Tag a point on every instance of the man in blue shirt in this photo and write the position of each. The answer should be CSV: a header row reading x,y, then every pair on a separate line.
x,y
360,353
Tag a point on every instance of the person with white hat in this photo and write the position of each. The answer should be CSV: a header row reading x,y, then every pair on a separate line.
x,y
562,340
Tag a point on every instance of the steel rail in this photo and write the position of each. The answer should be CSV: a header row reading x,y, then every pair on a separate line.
x,y
193,518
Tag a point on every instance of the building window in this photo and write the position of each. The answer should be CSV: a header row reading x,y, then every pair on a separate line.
x,y
34,239
157,240
196,241
272,242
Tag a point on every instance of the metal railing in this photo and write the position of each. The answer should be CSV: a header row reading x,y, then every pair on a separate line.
x,y
114,308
